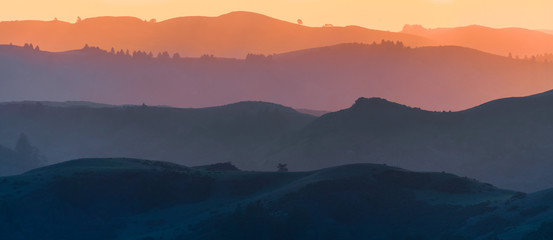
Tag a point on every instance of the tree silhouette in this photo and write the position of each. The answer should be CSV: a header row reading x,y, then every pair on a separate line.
x,y
282,167
23,146
28,154
163,56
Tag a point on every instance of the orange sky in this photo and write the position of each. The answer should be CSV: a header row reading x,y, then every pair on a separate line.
x,y
381,14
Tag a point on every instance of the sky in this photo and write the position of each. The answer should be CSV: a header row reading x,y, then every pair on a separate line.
x,y
382,14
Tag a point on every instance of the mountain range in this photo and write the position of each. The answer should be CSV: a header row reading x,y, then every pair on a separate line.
x,y
504,142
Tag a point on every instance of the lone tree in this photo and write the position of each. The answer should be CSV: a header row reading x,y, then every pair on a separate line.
x,y
23,147
282,167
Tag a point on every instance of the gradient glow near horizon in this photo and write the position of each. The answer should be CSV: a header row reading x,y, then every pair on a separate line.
x,y
382,14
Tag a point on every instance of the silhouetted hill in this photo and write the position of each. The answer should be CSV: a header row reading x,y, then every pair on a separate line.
x,y
517,41
230,35
505,142
435,78
241,133
139,199
316,113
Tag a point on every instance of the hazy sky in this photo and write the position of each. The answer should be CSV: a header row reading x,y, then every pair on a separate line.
x,y
381,14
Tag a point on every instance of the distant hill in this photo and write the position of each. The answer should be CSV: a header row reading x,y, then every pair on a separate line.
x,y
230,35
516,41
505,142
61,104
140,199
328,78
547,31
316,113
241,133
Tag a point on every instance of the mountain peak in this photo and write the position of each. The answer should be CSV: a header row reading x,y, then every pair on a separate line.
x,y
372,102
408,28
245,15
379,105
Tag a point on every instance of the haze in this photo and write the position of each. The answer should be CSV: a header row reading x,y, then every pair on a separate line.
x,y
385,15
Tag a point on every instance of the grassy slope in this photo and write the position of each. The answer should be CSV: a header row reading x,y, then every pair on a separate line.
x,y
129,198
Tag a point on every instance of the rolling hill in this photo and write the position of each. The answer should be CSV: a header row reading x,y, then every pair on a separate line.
x,y
504,41
328,78
140,199
505,142
230,35
241,132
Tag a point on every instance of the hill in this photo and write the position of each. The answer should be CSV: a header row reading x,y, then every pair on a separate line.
x,y
230,35
139,199
504,142
328,78
504,41
241,133
9,160
547,31
23,158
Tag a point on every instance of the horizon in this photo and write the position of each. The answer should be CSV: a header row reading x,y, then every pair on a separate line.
x,y
314,13
399,30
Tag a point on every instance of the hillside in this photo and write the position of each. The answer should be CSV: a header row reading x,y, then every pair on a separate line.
x,y
23,158
9,160
230,35
505,142
328,78
504,41
139,199
241,132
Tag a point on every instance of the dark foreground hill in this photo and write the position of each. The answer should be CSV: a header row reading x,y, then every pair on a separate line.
x,y
139,199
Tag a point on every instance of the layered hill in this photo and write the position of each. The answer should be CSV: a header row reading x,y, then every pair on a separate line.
x,y
240,132
237,34
504,41
504,142
139,199
328,78
230,35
